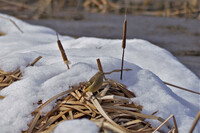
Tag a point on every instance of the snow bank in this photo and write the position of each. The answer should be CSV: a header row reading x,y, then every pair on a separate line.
x,y
50,76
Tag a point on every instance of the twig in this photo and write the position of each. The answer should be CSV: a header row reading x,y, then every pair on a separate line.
x,y
35,61
13,23
181,88
116,70
171,116
123,44
62,51
195,122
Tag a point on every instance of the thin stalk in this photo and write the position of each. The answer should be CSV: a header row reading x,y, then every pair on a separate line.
x,y
181,88
100,67
62,51
123,44
195,122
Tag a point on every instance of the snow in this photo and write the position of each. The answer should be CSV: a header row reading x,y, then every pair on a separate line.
x,y
150,66
85,126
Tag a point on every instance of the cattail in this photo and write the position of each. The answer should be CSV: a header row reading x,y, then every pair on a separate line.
x,y
123,44
62,51
99,65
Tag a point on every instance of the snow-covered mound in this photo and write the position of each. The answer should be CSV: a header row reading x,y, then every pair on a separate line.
x,y
150,66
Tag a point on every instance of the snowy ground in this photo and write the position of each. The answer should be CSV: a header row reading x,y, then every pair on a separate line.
x,y
150,65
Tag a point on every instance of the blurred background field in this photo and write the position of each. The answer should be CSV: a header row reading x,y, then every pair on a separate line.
x,y
171,24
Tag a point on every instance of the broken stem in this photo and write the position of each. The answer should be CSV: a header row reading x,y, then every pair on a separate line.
x,y
62,51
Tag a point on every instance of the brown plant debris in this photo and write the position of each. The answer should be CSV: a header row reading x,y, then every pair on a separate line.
x,y
2,34
110,108
8,78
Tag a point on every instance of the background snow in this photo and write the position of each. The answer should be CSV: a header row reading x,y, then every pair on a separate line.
x,y
50,75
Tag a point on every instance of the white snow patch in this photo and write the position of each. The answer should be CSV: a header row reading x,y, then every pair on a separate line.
x,y
77,126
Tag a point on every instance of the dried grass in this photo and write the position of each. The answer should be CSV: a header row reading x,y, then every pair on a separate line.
x,y
111,109
8,78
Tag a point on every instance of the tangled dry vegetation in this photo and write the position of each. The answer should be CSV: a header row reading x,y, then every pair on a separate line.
x,y
111,109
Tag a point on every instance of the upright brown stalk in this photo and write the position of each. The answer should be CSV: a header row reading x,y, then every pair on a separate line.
x,y
123,44
62,51
100,67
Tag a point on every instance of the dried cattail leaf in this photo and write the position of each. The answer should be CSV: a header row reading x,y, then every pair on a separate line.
x,y
103,113
132,122
33,123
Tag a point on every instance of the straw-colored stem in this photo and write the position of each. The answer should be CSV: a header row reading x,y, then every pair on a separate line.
x,y
181,88
175,124
195,122
163,123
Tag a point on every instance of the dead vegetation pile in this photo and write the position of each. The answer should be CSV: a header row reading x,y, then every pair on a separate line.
x,y
111,109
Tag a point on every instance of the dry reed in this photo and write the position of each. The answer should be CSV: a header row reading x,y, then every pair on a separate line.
x,y
8,78
111,109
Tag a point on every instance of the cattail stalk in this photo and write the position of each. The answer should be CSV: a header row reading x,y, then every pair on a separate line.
x,y
123,44
100,67
62,51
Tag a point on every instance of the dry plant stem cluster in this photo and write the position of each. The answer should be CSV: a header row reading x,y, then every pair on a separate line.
x,y
111,109
8,78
